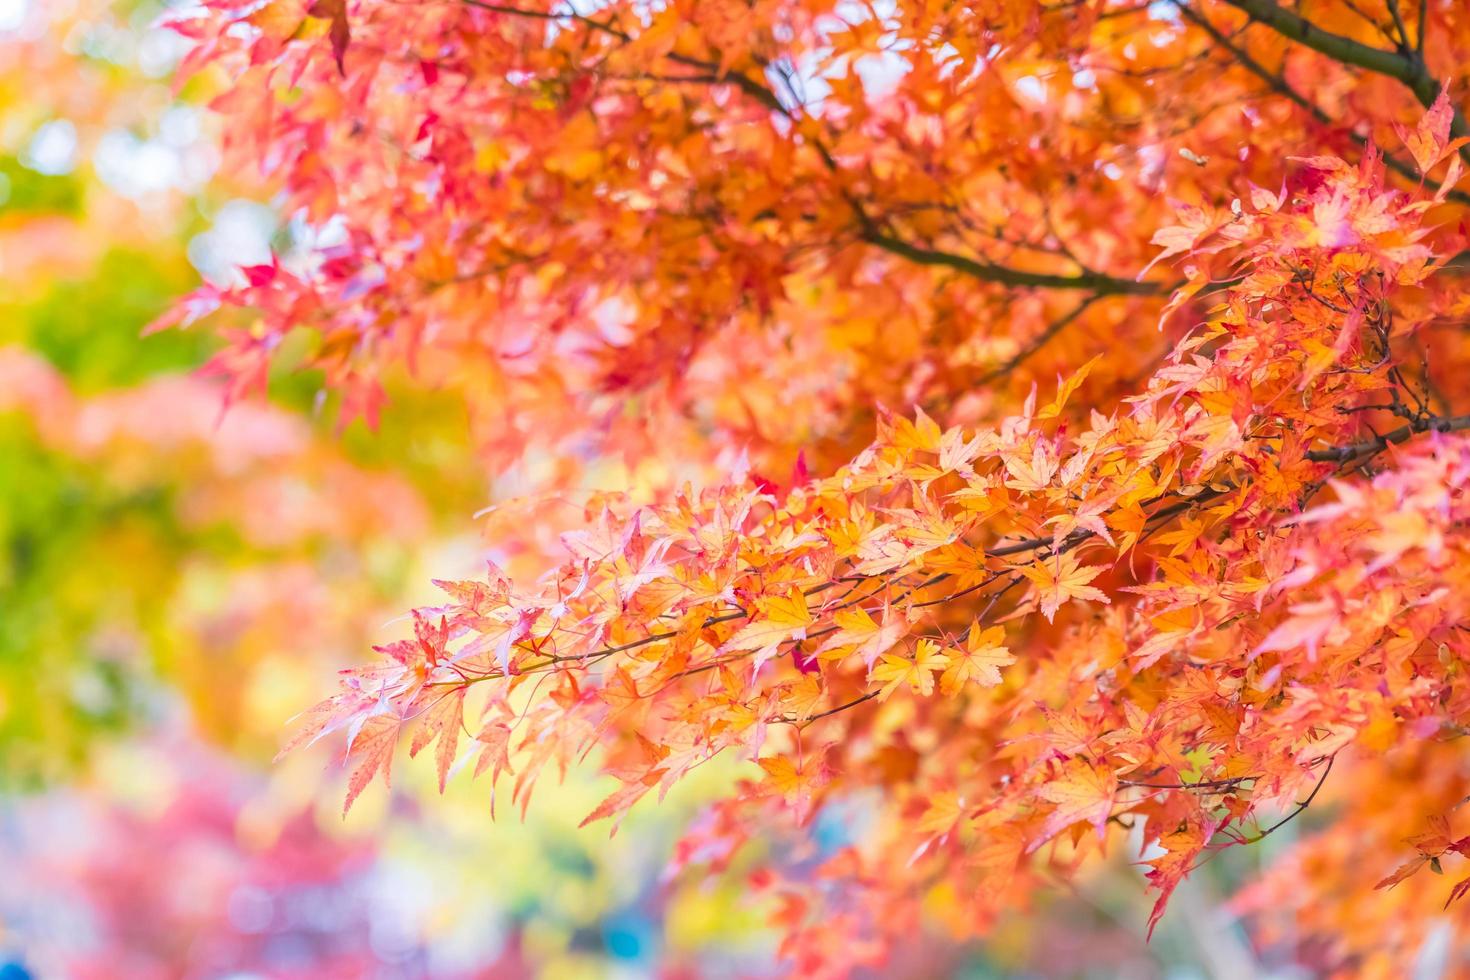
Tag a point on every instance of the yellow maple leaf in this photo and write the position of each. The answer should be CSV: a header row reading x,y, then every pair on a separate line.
x,y
980,661
922,433
858,633
1129,521
1183,537
795,779
1065,390
802,698
782,774
1032,474
918,673
944,811
781,618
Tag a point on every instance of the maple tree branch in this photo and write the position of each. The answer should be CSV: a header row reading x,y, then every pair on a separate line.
x,y
832,711
1293,25
1097,282
1300,807
871,233
1282,87
1398,24
1407,67
1229,781
1038,342
1342,454
1339,454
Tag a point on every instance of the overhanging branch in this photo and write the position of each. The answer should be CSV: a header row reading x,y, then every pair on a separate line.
x,y
1407,66
1282,87
713,73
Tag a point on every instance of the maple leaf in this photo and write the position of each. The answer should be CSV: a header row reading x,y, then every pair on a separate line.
x,y
1082,793
781,618
1066,389
859,634
1428,141
622,696
1169,869
1089,515
796,779
341,33
494,739
894,671
441,720
1435,840
1403,871
1174,629
1196,224
371,752
979,662
622,799
1061,578
943,811
322,719
803,697
1129,522
1183,537
1031,474
922,433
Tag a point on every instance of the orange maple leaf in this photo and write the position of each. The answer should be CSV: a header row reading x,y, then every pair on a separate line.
x,y
1083,793
372,751
1060,578
781,618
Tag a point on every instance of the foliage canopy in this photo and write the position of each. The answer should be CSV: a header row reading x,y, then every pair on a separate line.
x,y
1157,311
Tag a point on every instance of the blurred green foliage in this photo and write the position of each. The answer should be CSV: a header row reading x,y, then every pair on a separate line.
x,y
73,616
24,191
60,685
91,329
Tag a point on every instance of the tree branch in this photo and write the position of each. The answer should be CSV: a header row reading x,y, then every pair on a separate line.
x,y
1290,24
1408,68
1342,454
1282,87
1096,282
1040,341
871,233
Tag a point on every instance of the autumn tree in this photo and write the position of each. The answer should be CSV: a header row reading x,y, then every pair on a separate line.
x,y
1075,390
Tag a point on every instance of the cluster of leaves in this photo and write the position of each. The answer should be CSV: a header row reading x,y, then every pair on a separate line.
x,y
1167,598
1368,932
161,559
1249,651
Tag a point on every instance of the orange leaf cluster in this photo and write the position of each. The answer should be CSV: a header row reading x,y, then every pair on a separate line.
x,y
1226,550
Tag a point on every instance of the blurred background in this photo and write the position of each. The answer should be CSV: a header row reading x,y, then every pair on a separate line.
x,y
177,581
